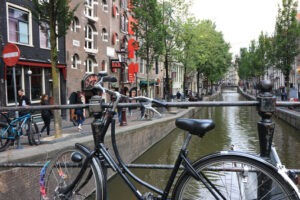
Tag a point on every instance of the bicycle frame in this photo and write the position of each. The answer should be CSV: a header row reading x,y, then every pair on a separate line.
x,y
23,121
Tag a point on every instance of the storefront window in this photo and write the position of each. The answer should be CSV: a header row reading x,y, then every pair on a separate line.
x,y
10,83
36,83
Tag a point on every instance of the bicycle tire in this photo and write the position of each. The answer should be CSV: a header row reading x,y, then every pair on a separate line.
x,y
34,136
59,174
260,181
4,141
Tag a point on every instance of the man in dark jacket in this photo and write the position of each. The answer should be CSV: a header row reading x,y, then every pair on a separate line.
x,y
23,101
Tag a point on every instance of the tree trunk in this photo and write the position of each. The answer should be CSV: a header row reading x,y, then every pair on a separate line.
x,y
148,85
198,79
55,73
184,81
287,84
167,77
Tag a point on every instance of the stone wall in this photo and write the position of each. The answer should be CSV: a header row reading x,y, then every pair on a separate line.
x,y
289,116
133,141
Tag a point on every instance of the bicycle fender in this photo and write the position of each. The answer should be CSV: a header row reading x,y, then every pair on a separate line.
x,y
87,151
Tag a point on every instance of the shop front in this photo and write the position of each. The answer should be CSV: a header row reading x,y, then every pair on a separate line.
x,y
35,79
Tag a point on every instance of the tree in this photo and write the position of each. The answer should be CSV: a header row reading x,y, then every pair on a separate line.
x,y
212,52
56,16
286,38
148,29
174,12
186,48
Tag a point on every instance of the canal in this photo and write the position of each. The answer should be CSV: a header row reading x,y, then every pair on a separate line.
x,y
234,126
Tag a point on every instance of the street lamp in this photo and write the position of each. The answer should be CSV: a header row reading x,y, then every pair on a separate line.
x,y
122,60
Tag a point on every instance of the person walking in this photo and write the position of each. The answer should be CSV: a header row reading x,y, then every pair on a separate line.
x,y
46,114
80,113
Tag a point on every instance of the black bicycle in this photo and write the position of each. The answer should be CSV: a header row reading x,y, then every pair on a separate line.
x,y
80,173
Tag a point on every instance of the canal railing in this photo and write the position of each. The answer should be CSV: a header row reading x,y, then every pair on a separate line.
x,y
265,103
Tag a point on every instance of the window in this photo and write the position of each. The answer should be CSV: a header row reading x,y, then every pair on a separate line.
x,y
124,23
105,6
104,35
103,65
75,60
89,66
141,70
36,83
75,24
44,37
10,82
89,37
19,26
89,10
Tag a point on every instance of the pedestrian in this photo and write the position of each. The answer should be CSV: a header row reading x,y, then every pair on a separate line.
x,y
80,112
46,114
178,95
23,101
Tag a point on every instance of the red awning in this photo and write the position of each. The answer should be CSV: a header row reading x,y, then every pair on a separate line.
x,y
37,64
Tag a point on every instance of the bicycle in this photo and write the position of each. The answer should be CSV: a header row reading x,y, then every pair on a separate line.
x,y
12,130
77,172
147,111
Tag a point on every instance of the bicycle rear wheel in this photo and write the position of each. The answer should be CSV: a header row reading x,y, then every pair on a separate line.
x,y
62,171
233,177
34,134
4,137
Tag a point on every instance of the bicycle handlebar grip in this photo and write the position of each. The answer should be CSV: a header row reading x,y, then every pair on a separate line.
x,y
160,103
109,79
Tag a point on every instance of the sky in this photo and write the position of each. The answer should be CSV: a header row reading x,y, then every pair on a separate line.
x,y
239,20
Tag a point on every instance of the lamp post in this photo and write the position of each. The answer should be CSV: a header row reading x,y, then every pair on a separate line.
x,y
122,59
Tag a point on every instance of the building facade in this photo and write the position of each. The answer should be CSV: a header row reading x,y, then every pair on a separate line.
x,y
33,70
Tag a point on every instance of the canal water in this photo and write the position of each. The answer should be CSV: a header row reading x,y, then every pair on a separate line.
x,y
234,126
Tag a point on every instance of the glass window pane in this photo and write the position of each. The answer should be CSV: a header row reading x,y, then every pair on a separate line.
x,y
23,33
36,83
10,83
13,33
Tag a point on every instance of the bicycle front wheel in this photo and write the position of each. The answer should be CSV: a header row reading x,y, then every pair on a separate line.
x,y
235,178
62,171
5,135
34,134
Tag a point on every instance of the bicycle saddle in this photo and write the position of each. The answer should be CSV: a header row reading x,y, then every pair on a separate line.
x,y
195,126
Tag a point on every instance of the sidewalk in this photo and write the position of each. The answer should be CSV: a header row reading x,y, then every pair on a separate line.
x,y
70,131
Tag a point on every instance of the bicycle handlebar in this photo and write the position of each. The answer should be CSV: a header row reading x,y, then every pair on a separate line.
x,y
119,96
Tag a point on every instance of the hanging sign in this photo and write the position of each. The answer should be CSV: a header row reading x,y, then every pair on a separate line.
x,y
89,81
115,63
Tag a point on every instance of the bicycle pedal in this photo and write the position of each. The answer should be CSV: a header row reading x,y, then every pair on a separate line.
x,y
148,196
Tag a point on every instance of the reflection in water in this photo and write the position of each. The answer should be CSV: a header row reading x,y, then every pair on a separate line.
x,y
234,126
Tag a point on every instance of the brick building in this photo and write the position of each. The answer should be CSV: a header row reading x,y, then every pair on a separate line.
x,y
100,28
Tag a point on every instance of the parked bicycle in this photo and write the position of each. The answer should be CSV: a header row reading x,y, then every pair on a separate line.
x,y
79,172
147,111
12,130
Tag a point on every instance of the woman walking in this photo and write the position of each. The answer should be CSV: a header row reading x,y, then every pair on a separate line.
x,y
46,114
80,113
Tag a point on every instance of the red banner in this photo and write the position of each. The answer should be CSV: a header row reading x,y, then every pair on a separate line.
x,y
136,67
131,69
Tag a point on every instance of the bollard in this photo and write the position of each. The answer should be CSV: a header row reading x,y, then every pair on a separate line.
x,y
266,108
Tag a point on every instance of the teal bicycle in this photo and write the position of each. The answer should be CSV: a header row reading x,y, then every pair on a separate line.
x,y
12,130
